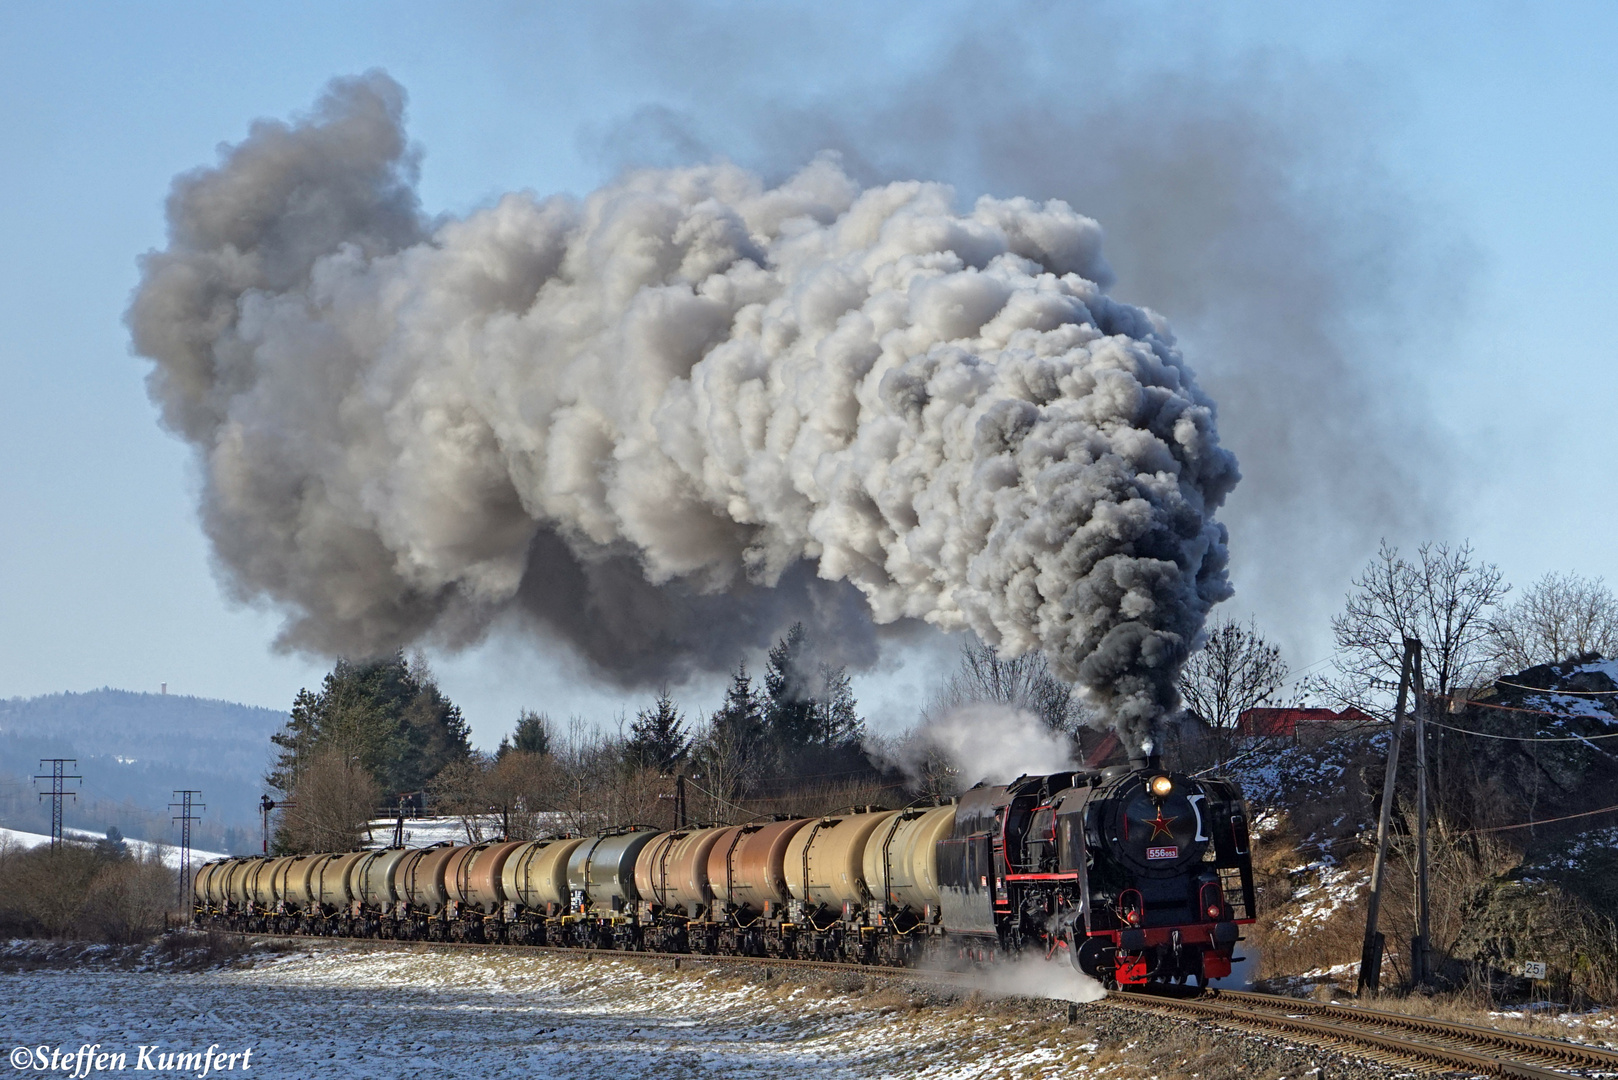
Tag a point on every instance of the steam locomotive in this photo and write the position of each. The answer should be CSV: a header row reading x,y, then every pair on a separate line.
x,y
1137,874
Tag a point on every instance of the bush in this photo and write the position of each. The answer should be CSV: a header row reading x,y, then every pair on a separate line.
x,y
79,890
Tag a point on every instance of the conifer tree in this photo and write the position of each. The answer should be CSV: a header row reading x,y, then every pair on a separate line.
x,y
789,709
533,735
837,723
388,715
657,738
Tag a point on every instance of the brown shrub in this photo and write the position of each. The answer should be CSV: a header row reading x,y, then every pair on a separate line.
x,y
78,891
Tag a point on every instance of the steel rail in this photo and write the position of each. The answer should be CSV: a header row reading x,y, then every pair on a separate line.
x,y
1399,1045
1391,1038
1536,1048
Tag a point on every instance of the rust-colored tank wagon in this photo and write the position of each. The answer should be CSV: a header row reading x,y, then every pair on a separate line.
x,y
422,878
901,858
371,880
536,874
455,870
604,869
331,879
407,868
480,883
757,871
672,870
825,860
719,854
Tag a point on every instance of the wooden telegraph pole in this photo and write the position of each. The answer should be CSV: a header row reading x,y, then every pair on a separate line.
x,y
1419,951
1371,954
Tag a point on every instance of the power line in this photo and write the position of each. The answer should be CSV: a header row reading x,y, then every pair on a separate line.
x,y
56,776
1524,738
185,818
1543,690
1543,821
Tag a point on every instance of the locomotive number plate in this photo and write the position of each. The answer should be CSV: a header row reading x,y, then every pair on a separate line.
x,y
1162,853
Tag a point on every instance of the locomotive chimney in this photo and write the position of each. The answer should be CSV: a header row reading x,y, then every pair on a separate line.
x,y
1141,760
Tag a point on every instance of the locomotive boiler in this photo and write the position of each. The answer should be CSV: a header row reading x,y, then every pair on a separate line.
x,y
1132,873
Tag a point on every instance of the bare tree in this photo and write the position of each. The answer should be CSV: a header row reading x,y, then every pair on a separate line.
x,y
1444,598
461,789
1235,671
724,764
1559,616
1023,682
519,787
333,799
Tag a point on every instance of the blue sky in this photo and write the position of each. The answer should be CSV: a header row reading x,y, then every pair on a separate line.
x,y
1473,148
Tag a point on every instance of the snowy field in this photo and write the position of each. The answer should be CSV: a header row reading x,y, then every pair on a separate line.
x,y
351,1012
170,855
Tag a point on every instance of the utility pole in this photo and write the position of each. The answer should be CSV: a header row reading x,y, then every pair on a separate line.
x,y
56,776
1419,951
185,817
1370,980
679,799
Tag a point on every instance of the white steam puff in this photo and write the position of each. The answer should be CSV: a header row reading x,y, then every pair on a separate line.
x,y
653,406
984,741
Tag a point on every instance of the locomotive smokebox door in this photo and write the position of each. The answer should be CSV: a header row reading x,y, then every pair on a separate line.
x,y
1158,829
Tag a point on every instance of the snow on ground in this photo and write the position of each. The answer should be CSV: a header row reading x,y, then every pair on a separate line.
x,y
1274,771
427,831
361,1013
1332,888
170,855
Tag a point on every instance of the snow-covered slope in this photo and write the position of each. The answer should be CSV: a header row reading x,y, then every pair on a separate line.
x,y
169,855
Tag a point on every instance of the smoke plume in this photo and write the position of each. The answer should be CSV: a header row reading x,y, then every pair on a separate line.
x,y
979,741
656,419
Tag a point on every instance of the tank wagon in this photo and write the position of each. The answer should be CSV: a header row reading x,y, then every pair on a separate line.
x,y
1134,873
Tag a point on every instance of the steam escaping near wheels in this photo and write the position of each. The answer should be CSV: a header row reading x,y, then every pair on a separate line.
x,y
661,420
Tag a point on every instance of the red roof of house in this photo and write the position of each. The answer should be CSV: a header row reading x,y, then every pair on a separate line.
x,y
1286,721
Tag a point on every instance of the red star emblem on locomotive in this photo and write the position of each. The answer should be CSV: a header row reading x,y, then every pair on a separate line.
x,y
1160,826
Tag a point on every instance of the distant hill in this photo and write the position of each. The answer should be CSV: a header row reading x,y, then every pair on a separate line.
x,y
134,750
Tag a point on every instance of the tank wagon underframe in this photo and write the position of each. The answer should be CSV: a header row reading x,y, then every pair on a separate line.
x,y
1129,883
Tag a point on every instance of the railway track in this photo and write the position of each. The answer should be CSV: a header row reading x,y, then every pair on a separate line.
x,y
1388,1038
1391,1038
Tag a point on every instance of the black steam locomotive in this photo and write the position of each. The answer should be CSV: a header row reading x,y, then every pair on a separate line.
x,y
1138,874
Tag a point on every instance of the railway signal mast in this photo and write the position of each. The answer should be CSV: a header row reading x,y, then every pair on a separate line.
x,y
57,792
185,817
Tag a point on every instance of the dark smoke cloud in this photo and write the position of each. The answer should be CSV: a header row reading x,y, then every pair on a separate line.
x,y
667,418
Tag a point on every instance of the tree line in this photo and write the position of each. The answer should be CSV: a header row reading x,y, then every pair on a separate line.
x,y
793,740
381,734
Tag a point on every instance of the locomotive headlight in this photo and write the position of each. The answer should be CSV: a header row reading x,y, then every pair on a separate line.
x,y
1161,786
